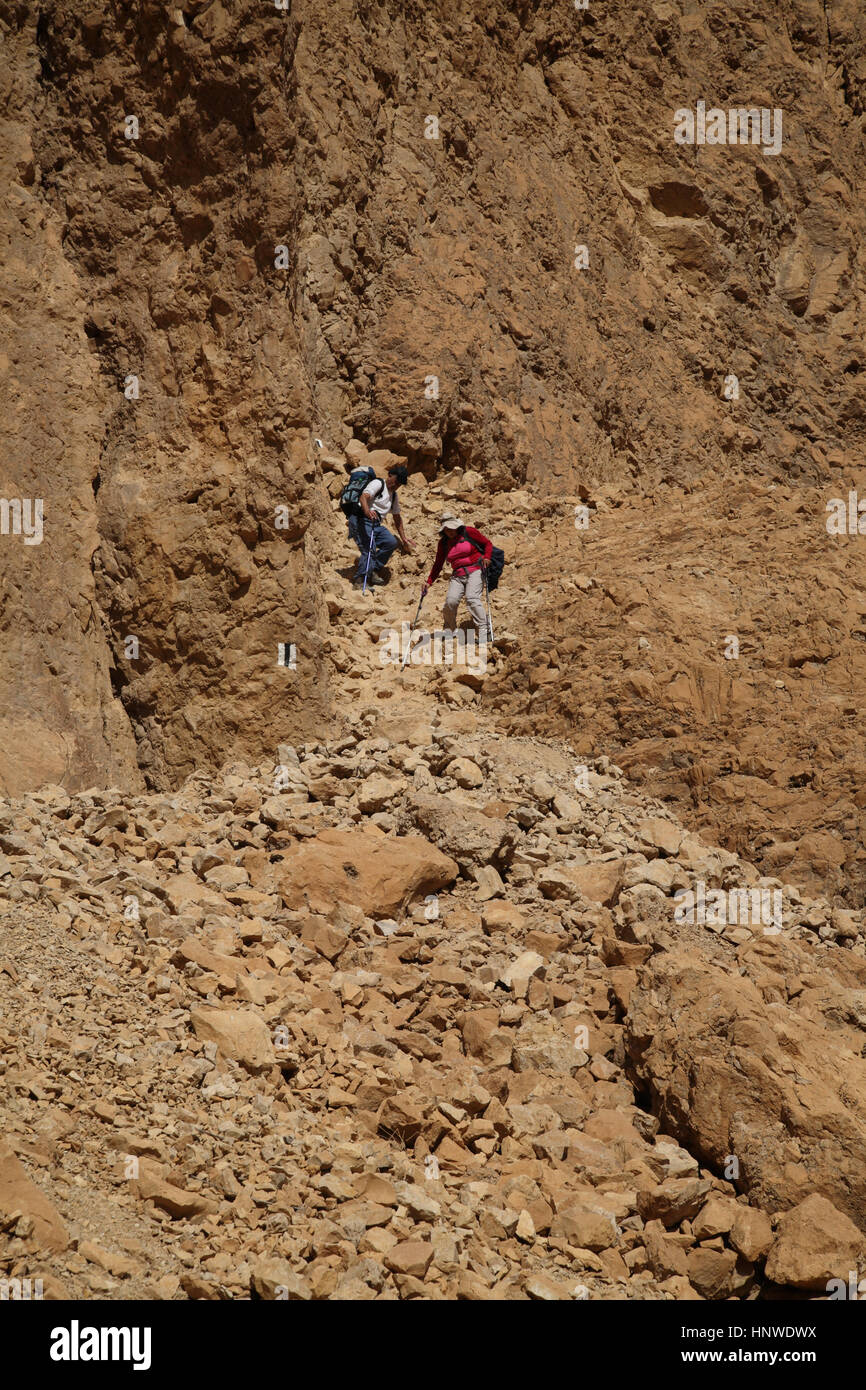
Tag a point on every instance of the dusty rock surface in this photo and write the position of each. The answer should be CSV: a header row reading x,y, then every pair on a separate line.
x,y
234,1070
334,981
410,258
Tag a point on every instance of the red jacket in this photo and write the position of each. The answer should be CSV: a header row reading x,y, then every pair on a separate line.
x,y
471,534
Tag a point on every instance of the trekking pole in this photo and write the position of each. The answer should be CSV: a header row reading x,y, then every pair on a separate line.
x,y
413,627
489,614
369,554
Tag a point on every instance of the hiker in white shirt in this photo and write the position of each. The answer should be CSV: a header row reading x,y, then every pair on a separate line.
x,y
376,501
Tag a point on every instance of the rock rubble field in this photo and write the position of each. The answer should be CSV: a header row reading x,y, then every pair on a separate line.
x,y
537,974
406,1015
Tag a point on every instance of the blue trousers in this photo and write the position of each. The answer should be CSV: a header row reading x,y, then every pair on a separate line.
x,y
384,544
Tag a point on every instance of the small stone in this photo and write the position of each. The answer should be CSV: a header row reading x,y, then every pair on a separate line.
x,y
715,1217
542,1289
410,1257
153,1186
710,1271
272,1278
674,1200
239,1035
525,1229
751,1232
585,1227
121,1265
499,916
465,772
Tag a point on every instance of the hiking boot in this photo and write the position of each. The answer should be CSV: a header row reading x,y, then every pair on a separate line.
x,y
376,579
358,584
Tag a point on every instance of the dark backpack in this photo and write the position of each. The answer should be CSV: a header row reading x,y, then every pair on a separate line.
x,y
496,566
350,497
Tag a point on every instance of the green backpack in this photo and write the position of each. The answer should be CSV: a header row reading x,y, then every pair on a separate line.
x,y
350,497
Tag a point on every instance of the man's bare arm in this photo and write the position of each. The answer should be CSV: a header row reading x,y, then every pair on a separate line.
x,y
404,539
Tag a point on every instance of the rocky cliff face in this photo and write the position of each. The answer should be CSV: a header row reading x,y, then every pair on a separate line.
x,y
247,247
430,176
164,200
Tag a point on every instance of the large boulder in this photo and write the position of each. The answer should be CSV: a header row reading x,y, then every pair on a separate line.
x,y
19,1194
814,1243
466,834
378,873
760,1091
240,1036
599,881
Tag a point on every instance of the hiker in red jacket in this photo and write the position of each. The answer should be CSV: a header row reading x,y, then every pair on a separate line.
x,y
468,552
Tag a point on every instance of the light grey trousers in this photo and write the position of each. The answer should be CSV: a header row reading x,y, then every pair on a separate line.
x,y
470,587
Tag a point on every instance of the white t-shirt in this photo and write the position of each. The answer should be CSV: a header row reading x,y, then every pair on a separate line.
x,y
382,503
